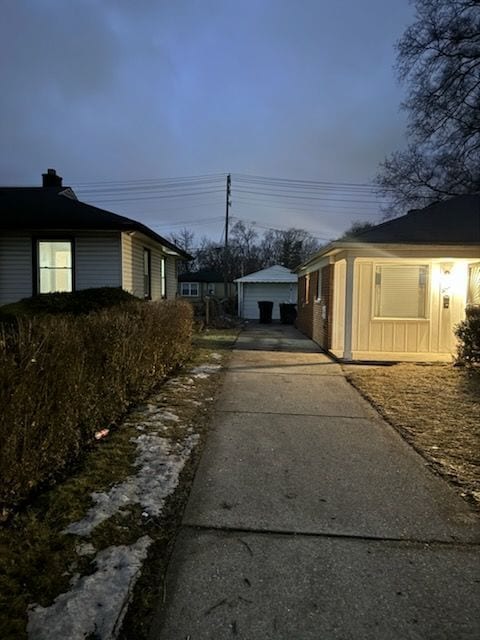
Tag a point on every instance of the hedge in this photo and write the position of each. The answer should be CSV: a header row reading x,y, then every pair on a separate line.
x,y
63,378
468,333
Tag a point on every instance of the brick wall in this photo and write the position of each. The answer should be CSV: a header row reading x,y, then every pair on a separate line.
x,y
307,293
315,317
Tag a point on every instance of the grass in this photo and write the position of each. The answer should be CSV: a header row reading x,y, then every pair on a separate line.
x,y
437,410
37,561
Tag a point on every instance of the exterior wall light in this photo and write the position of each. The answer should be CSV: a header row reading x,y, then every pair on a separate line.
x,y
446,284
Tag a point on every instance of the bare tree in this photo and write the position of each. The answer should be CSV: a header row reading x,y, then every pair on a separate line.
x,y
438,57
288,248
356,228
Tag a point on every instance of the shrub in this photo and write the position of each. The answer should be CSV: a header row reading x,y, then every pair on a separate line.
x,y
62,378
76,303
468,333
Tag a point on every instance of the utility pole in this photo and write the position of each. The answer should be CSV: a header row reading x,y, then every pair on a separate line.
x,y
225,251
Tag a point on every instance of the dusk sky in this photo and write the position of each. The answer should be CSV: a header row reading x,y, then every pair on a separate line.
x,y
122,96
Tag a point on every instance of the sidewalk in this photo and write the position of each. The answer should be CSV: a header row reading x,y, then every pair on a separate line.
x,y
310,518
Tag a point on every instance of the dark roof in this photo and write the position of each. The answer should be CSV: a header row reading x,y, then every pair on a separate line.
x,y
453,221
204,275
38,208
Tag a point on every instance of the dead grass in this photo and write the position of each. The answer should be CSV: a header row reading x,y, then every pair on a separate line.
x,y
437,409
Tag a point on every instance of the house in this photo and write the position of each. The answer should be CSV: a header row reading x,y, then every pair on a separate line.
x,y
50,241
276,284
396,291
196,285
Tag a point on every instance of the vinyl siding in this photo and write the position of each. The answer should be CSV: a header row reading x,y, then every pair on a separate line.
x,y
15,268
132,267
172,283
97,261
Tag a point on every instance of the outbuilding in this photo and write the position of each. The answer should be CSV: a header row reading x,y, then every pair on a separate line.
x,y
277,284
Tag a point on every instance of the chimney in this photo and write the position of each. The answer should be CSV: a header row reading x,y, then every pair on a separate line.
x,y
50,179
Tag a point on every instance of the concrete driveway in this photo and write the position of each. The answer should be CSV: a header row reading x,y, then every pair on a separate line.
x,y
311,518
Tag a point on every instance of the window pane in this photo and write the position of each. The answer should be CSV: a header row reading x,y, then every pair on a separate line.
x,y
474,284
55,266
400,291
147,288
163,288
194,289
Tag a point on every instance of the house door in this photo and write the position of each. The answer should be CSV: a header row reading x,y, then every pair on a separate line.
x,y
326,306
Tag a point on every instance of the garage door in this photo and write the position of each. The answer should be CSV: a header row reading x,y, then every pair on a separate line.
x,y
277,293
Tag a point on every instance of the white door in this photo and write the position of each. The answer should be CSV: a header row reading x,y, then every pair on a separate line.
x,y
275,292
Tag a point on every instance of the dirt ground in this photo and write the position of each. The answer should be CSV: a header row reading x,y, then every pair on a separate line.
x,y
436,408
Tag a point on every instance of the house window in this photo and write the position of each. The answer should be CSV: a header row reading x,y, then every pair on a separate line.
x,y
147,275
473,296
55,270
163,278
190,289
401,291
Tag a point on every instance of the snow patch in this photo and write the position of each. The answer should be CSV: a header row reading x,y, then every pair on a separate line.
x,y
160,463
205,370
95,604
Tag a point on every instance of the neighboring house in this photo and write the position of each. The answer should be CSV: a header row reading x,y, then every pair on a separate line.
x,y
196,285
396,291
50,241
276,284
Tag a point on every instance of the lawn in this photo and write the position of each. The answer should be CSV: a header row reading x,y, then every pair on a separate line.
x,y
436,408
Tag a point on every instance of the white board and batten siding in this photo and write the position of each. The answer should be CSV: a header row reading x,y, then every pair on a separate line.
x,y
15,268
410,339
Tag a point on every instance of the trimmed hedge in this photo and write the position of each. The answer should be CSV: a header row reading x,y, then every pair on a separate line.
x,y
62,378
468,333
75,303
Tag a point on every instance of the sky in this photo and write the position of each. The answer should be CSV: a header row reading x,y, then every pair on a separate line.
x,y
144,107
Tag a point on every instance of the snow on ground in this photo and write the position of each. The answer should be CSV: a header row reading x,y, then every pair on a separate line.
x,y
96,603
205,370
159,463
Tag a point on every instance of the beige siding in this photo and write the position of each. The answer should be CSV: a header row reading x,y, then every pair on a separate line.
x,y
15,268
338,331
404,338
172,283
97,261
132,267
127,263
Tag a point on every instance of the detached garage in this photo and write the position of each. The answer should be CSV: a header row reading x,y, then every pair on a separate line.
x,y
277,284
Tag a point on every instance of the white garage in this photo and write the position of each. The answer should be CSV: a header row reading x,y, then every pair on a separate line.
x,y
277,284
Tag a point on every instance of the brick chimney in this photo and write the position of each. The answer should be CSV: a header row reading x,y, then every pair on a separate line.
x,y
50,179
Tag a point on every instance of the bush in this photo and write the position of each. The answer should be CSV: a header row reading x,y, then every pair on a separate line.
x,y
76,303
468,333
63,378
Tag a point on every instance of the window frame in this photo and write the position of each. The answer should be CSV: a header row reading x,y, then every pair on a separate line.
x,y
36,260
189,294
147,275
428,284
163,277
471,266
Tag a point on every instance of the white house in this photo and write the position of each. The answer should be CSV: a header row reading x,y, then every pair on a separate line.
x,y
50,241
276,284
396,291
